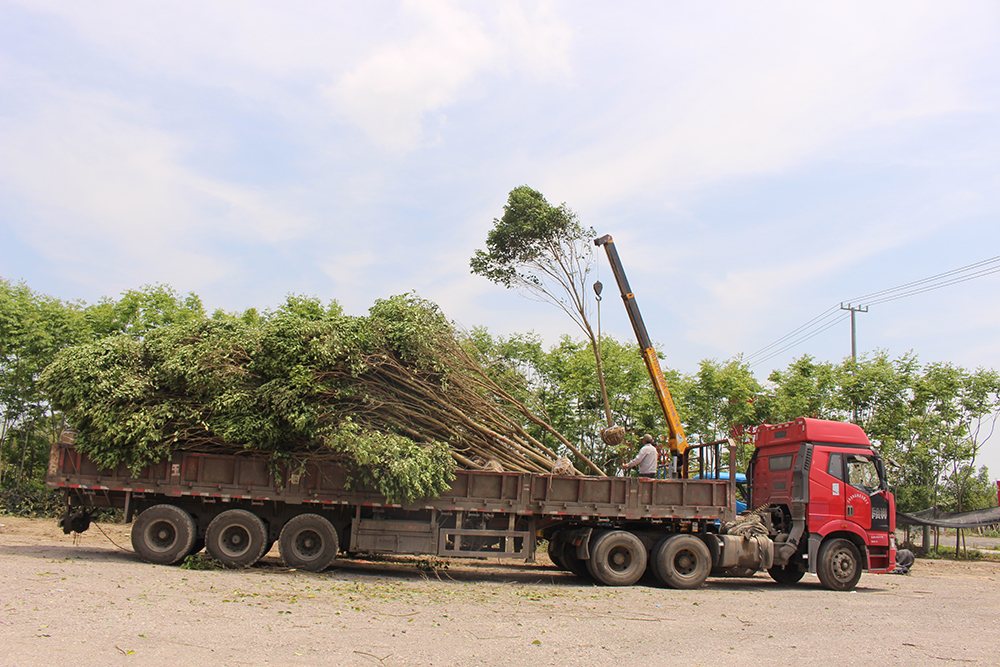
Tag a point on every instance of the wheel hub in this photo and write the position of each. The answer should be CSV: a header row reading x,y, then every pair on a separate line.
x,y
235,541
308,544
162,536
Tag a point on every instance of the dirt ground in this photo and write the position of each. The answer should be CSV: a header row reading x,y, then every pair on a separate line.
x,y
84,601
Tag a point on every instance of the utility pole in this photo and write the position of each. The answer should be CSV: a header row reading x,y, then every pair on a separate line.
x,y
854,339
854,330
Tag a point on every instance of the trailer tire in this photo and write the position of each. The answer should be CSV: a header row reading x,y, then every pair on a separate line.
x,y
682,561
308,542
787,574
617,558
839,565
236,538
574,563
556,552
163,534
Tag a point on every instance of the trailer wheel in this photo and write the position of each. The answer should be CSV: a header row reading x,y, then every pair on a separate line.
x,y
839,565
617,558
682,561
163,534
308,542
573,562
556,552
236,538
787,574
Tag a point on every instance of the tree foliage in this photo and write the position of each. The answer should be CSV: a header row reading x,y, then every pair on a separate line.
x,y
33,328
393,395
544,252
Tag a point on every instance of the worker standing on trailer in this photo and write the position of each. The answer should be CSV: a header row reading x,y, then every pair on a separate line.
x,y
646,459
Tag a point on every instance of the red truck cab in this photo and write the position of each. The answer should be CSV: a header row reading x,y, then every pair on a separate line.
x,y
831,509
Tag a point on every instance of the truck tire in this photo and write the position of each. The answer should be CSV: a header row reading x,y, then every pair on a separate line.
x,y
787,574
308,542
163,534
839,565
682,561
236,538
617,558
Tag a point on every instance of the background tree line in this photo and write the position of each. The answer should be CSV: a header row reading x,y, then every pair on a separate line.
x,y
929,420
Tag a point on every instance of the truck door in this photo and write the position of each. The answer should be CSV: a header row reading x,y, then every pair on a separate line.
x,y
828,490
863,492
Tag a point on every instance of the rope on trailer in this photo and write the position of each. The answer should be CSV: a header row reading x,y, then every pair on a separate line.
x,y
748,524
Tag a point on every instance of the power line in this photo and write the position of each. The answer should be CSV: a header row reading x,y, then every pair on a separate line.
x,y
983,267
819,318
801,339
820,323
929,288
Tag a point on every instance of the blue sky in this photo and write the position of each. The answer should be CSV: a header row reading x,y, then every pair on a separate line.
x,y
756,163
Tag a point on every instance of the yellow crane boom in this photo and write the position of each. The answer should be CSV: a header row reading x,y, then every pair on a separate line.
x,y
678,441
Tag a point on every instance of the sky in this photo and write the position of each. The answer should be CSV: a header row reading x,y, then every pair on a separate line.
x,y
757,164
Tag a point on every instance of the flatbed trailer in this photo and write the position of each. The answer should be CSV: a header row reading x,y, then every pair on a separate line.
x,y
238,506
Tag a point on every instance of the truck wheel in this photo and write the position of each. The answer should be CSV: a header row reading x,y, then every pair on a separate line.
x,y
787,574
682,561
617,558
236,538
308,542
839,565
163,534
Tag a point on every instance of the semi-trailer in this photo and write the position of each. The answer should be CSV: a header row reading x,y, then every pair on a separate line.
x,y
819,490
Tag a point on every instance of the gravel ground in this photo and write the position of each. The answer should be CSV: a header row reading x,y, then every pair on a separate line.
x,y
84,601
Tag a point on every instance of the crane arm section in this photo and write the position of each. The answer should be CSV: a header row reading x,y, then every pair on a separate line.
x,y
678,441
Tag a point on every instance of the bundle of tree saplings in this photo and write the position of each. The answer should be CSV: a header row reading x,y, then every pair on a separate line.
x,y
396,396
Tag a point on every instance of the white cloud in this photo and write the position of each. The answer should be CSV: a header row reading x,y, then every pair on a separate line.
x,y
390,93
100,187
771,88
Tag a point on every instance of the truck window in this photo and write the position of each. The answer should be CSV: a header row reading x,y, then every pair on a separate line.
x,y
836,467
783,462
862,473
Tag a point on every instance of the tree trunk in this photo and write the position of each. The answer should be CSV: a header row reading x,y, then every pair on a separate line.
x,y
24,454
600,378
3,445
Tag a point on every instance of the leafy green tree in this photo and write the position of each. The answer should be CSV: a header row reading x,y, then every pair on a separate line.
x,y
953,412
875,394
719,397
137,312
545,253
33,328
514,362
804,389
571,401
